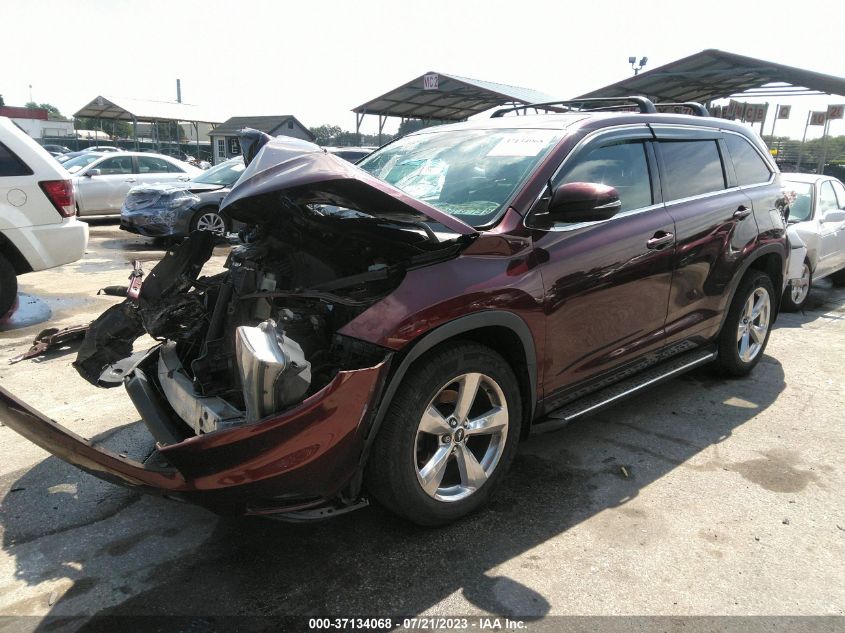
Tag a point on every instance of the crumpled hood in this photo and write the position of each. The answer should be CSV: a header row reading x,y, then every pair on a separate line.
x,y
288,170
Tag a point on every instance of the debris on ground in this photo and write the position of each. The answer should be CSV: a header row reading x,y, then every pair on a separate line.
x,y
52,338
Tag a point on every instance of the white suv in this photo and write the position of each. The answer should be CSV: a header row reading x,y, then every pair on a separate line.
x,y
38,227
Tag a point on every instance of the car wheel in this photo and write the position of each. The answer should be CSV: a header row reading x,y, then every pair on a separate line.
x,y
210,219
748,325
449,435
838,278
796,293
8,286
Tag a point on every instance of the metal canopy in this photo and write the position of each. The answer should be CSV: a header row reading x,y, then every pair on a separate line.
x,y
125,109
714,74
453,99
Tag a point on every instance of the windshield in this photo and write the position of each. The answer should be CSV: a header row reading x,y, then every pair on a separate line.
x,y
75,164
469,174
800,200
225,174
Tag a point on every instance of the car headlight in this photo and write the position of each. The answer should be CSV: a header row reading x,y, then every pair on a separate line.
x,y
181,201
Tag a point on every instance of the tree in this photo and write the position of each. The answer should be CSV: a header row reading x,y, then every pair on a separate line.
x,y
326,134
52,111
122,129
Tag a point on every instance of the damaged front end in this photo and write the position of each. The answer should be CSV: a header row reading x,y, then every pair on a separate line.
x,y
257,403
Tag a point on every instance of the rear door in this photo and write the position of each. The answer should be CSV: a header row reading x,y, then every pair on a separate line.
x,y
607,283
153,169
104,192
714,225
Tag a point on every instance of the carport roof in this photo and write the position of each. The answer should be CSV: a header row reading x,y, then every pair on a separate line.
x,y
455,98
127,109
714,74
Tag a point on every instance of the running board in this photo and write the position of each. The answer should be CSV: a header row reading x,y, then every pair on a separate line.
x,y
618,391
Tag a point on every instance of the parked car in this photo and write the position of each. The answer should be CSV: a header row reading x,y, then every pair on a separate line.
x,y
175,209
175,152
393,328
58,149
817,217
352,154
38,229
70,155
101,181
103,148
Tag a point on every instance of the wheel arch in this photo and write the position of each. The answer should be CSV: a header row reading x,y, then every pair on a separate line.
x,y
504,332
13,255
768,259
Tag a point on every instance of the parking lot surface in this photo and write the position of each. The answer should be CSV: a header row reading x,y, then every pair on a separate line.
x,y
701,496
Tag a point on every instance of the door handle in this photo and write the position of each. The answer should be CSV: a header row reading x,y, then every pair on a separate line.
x,y
131,180
659,241
742,212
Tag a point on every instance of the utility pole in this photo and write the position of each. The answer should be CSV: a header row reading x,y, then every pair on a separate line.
x,y
179,91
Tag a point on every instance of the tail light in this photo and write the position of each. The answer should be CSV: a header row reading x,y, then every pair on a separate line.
x,y
60,193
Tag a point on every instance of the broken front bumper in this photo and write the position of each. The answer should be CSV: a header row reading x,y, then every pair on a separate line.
x,y
301,458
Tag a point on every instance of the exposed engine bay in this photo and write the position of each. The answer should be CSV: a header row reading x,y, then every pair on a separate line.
x,y
262,336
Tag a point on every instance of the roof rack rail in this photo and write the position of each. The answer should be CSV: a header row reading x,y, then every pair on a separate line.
x,y
645,105
697,108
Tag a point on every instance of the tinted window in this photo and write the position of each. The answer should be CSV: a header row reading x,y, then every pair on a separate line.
x,y
11,165
840,192
749,166
621,165
115,166
153,165
692,168
827,199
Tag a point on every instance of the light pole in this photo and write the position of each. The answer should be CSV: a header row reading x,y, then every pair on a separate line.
x,y
633,62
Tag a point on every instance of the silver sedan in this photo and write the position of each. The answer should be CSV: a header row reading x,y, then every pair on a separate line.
x,y
817,218
102,180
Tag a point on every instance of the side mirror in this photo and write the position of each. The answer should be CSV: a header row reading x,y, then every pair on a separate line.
x,y
834,215
92,172
583,202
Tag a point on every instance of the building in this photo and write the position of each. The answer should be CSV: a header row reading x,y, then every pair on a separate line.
x,y
37,123
224,138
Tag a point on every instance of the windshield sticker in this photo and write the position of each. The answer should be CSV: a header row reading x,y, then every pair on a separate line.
x,y
469,208
522,145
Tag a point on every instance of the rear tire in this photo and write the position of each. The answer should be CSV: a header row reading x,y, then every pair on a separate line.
x,y
838,278
746,330
8,286
794,297
464,392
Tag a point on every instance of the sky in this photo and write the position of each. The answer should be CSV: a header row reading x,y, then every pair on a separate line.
x,y
318,60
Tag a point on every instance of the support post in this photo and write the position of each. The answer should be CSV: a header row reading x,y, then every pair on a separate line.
x,y
823,159
382,119
135,131
803,140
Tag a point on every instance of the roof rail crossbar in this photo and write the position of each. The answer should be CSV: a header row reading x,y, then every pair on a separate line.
x,y
645,106
697,108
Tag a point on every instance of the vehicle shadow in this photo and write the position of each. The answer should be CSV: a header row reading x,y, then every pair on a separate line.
x,y
188,562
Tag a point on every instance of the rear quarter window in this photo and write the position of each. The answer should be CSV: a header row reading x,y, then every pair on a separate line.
x,y
691,168
11,165
749,166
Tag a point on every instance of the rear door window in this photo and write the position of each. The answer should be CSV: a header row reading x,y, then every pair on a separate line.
x,y
692,168
11,165
621,165
840,192
749,166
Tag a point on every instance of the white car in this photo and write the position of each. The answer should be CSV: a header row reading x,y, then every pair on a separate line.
x,y
816,218
38,229
101,181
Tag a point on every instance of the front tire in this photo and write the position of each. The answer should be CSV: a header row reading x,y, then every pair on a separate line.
x,y
797,291
449,435
838,278
210,219
8,286
746,330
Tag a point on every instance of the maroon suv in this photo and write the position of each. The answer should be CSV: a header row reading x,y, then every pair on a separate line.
x,y
394,328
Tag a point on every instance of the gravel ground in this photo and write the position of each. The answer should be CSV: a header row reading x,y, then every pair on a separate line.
x,y
702,496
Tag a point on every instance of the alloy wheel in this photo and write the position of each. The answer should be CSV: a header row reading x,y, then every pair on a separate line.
x,y
800,288
753,324
211,222
461,437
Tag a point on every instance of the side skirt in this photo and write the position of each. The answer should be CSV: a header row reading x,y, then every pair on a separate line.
x,y
626,387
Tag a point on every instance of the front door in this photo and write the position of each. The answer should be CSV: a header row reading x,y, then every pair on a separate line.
x,y
607,283
831,234
104,193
